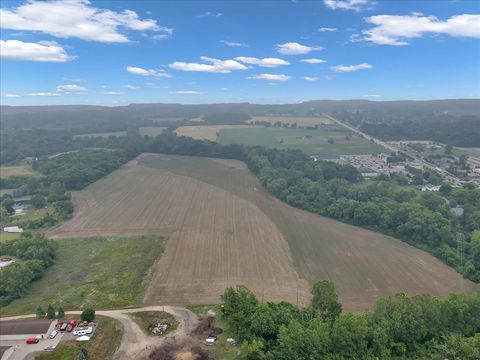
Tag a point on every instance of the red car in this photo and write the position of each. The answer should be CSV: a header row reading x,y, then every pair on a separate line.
x,y
71,325
32,341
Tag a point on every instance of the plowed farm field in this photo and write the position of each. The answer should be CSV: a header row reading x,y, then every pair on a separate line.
x,y
223,229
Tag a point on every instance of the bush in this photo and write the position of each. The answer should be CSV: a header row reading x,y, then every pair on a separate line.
x,y
88,315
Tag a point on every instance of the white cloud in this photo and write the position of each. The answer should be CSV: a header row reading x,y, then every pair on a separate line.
x,y
70,87
294,48
396,29
185,92
211,14
113,93
265,62
147,72
355,5
45,51
313,61
12,95
372,95
350,68
44,94
129,87
224,89
73,80
311,78
271,77
76,18
327,29
213,66
233,43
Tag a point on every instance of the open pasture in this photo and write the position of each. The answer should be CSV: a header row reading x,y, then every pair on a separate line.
x,y
302,121
313,142
17,170
224,229
208,132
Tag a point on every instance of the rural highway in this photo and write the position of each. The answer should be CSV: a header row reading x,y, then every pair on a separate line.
x,y
366,136
135,343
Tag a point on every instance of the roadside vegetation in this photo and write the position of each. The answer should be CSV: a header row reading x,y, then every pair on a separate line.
x,y
398,327
102,273
103,344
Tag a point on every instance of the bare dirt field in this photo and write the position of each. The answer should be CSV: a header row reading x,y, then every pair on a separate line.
x,y
18,327
207,132
299,120
224,229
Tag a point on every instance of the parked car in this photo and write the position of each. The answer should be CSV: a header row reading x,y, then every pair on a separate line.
x,y
32,341
211,340
71,325
50,347
53,334
63,327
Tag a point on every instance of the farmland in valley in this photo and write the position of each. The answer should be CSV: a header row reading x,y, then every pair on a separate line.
x,y
223,230
331,140
208,132
301,121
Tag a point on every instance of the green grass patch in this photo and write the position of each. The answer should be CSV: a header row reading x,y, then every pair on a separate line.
x,y
17,170
103,273
103,344
151,130
147,320
8,236
310,141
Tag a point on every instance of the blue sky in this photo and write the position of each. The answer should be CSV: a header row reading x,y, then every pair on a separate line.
x,y
120,52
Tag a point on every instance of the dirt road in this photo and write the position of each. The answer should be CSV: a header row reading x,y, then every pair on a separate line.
x,y
135,343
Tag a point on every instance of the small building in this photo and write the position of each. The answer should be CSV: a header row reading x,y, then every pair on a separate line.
x,y
430,187
13,229
5,261
457,211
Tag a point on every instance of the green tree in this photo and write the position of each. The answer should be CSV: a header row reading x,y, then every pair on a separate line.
x,y
38,201
252,351
40,312
61,313
88,315
325,300
50,312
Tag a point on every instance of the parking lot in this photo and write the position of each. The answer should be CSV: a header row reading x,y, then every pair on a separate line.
x,y
13,335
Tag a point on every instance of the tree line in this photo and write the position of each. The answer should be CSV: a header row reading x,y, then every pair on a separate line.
x,y
398,327
33,253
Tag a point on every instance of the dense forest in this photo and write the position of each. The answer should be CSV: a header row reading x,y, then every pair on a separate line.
x,y
398,327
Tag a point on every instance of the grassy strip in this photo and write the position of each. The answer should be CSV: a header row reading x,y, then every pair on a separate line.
x,y
102,273
103,344
147,319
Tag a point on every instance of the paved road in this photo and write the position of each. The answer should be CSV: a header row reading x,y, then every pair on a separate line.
x,y
135,343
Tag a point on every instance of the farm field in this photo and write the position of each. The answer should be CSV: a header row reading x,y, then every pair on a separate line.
x,y
151,130
312,142
301,121
224,230
17,170
100,272
208,132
